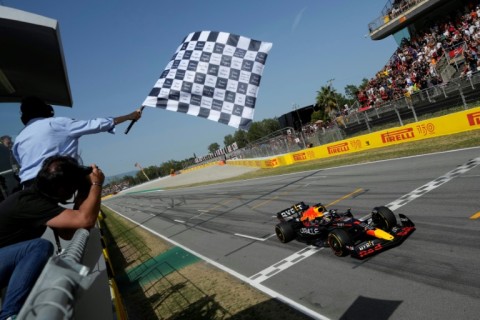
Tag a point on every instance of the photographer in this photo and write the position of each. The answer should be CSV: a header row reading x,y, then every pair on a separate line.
x,y
25,215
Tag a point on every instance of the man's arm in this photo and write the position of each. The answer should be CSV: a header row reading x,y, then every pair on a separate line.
x,y
87,213
135,115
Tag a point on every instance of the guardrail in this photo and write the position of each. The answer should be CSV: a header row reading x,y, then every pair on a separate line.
x,y
53,296
73,281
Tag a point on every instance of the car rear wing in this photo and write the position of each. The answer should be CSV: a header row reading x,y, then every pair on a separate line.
x,y
292,212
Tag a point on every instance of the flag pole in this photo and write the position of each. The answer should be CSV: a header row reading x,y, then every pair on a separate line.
x,y
132,122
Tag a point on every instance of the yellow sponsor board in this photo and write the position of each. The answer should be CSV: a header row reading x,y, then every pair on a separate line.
x,y
458,122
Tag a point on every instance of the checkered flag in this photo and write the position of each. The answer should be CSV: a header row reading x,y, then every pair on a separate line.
x,y
213,75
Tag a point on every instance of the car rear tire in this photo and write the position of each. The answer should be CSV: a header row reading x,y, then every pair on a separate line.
x,y
285,232
338,240
384,218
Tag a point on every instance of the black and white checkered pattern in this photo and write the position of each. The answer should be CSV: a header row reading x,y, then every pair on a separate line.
x,y
213,75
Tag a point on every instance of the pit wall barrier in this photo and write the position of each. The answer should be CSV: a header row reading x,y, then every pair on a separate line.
x,y
458,122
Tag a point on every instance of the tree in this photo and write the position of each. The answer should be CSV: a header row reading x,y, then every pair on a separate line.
x,y
316,115
262,129
213,147
351,91
240,138
271,125
256,131
364,84
326,100
228,140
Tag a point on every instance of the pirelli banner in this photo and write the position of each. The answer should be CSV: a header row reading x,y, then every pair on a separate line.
x,y
449,124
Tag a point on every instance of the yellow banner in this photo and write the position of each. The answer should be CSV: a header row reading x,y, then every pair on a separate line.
x,y
445,125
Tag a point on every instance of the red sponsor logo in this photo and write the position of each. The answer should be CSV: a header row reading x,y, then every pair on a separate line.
x,y
338,148
474,118
271,163
398,135
299,156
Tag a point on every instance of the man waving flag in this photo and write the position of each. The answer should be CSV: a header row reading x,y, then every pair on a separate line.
x,y
213,75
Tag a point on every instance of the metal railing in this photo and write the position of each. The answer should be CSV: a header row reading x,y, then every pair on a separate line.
x,y
391,11
54,294
461,92
282,141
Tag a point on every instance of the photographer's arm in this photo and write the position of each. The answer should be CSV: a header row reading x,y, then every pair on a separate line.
x,y
87,212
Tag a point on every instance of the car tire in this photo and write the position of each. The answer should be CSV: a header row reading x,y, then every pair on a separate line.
x,y
384,218
285,232
338,240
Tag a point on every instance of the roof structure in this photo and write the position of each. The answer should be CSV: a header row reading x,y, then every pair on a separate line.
x,y
31,59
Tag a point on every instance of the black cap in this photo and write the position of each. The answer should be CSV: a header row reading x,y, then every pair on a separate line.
x,y
33,107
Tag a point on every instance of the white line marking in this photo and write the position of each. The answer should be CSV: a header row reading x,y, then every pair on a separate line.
x,y
272,235
234,273
179,221
284,264
249,237
409,197
299,256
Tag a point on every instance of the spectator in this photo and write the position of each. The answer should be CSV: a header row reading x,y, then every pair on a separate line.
x,y
8,167
20,266
45,135
25,215
6,141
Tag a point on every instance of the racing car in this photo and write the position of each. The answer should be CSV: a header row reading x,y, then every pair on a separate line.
x,y
340,231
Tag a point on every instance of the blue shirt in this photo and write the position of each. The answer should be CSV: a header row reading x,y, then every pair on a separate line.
x,y
45,137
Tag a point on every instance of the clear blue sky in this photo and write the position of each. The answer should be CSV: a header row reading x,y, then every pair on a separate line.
x,y
115,51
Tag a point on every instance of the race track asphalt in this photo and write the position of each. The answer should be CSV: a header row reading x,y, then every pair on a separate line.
x,y
212,173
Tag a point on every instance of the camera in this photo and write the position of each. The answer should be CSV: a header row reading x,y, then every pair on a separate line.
x,y
85,171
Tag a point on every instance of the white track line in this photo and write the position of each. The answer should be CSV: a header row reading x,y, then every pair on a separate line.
x,y
284,264
417,193
249,237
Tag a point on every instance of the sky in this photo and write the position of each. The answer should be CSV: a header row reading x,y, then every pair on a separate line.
x,y
116,50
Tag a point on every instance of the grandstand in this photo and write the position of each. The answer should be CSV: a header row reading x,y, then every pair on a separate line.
x,y
438,45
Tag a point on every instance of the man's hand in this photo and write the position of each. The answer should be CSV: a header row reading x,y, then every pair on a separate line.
x,y
97,177
135,115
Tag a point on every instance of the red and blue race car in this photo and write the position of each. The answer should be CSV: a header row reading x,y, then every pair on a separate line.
x,y
343,233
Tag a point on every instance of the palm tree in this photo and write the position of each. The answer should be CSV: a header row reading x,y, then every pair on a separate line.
x,y
326,100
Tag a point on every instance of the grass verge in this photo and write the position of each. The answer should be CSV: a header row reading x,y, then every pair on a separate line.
x,y
152,287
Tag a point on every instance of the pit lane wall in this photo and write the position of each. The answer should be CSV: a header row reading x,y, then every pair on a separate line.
x,y
458,122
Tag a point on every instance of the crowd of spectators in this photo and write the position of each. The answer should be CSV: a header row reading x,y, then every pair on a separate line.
x,y
413,65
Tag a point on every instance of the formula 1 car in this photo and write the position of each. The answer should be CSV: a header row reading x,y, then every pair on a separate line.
x,y
343,233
